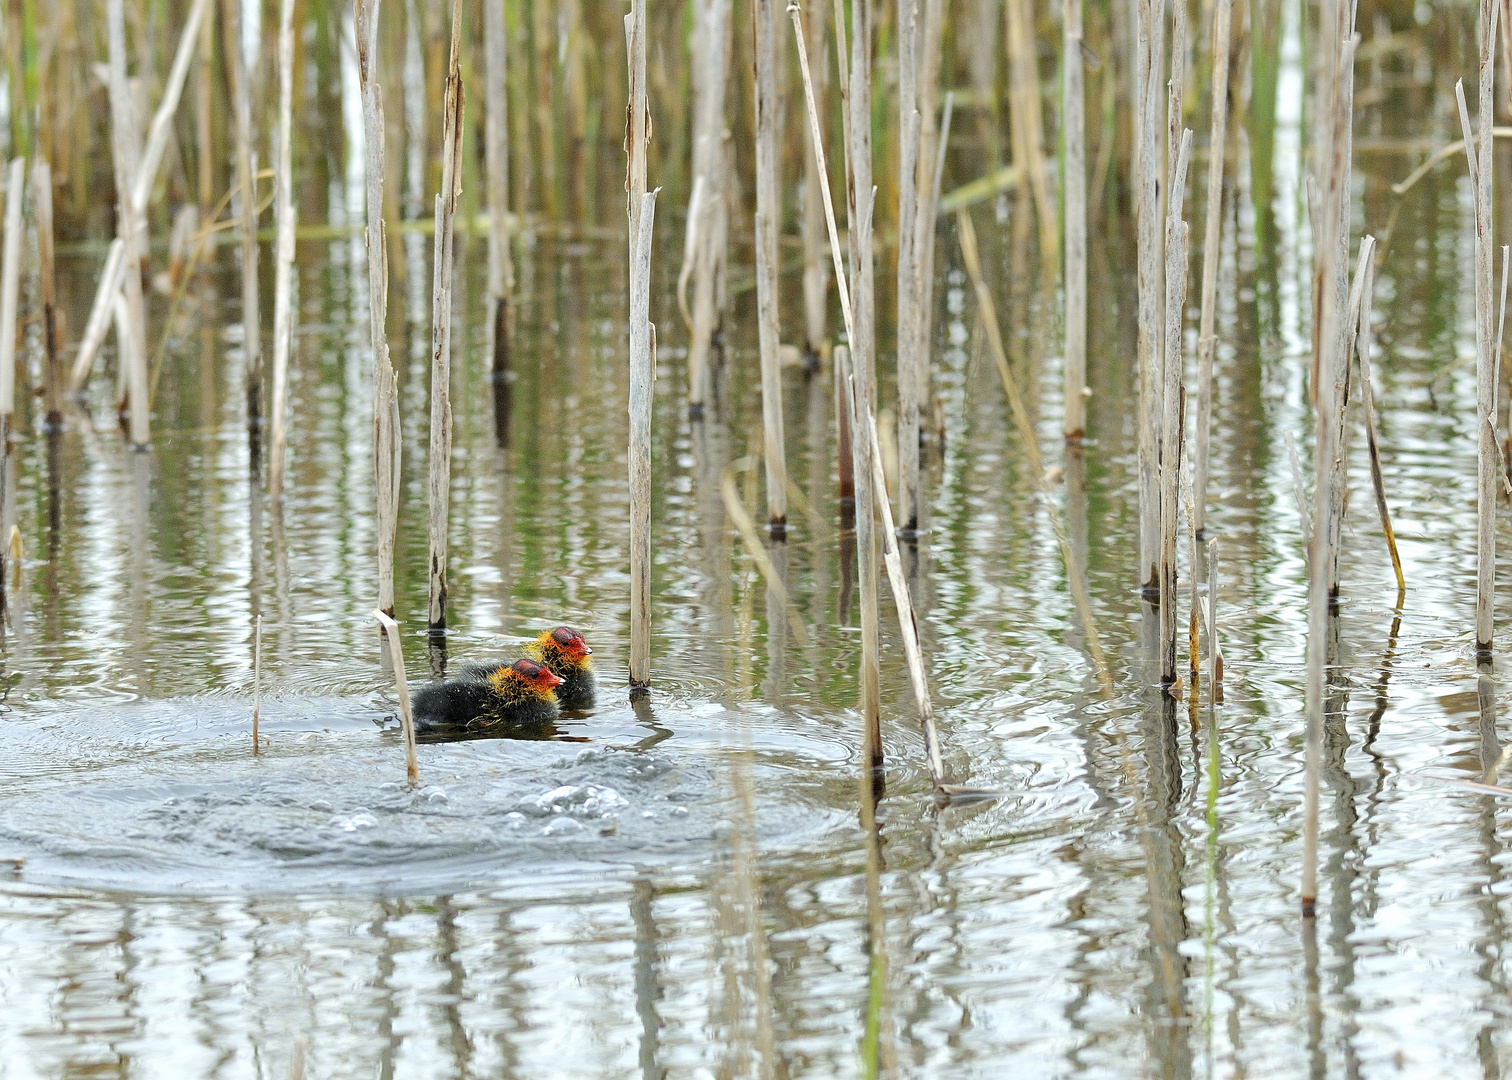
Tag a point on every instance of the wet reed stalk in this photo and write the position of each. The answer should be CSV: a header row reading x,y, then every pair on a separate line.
x,y
1150,35
908,286
707,209
246,184
386,442
396,657
439,488
768,218
641,209
283,251
1330,161
10,291
1478,154
496,168
256,677
1367,394
816,275
1074,200
1207,337
932,142
127,158
1173,397
52,340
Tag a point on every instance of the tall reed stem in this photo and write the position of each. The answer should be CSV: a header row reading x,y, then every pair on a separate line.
x,y
641,209
908,285
246,183
816,276
52,340
496,165
387,446
1207,337
1173,400
1075,202
10,291
1149,53
710,161
283,252
439,490
768,219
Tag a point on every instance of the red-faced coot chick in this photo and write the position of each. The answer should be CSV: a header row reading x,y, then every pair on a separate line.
x,y
521,694
566,653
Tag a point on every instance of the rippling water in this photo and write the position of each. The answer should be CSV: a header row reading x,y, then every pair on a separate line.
x,y
604,901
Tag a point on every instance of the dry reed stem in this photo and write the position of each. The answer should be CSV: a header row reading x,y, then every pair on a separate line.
x,y
752,539
988,314
100,316
768,218
1367,394
1341,368
1026,122
283,251
1215,648
816,276
246,182
256,677
1442,154
711,73
1207,337
126,155
926,205
690,250
1194,617
1482,166
1149,54
387,446
1174,400
439,473
496,168
52,344
908,286
1074,201
642,368
10,290
406,717
204,137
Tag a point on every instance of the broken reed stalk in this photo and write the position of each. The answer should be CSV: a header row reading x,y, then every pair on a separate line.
x,y
127,158
815,272
246,184
496,167
139,181
283,251
439,492
10,291
641,208
741,519
396,657
865,424
768,218
1330,161
1150,62
1207,336
1367,394
988,314
710,72
908,285
387,446
1173,399
861,201
1074,199
256,677
1482,166
52,341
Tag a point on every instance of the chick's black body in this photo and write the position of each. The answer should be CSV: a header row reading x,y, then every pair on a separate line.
x,y
485,695
577,689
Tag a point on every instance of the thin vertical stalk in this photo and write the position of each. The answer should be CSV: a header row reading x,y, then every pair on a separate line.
x,y
441,315
401,684
1367,394
52,343
496,165
932,143
387,446
283,252
816,274
127,156
1150,55
246,182
256,677
1027,124
1171,424
203,105
413,80
711,68
641,209
908,287
1207,337
1215,649
1075,203
10,290
768,218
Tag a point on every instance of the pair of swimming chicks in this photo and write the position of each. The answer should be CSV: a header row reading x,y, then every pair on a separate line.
x,y
530,692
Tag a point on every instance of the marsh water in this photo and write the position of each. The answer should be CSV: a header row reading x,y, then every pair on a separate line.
x,y
667,888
